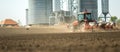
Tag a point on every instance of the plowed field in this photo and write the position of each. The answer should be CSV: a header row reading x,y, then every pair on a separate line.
x,y
60,42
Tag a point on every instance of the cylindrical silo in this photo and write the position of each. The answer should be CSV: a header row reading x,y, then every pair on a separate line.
x,y
39,11
56,5
105,8
74,7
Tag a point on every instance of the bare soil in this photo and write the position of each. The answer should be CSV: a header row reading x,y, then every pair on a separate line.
x,y
57,40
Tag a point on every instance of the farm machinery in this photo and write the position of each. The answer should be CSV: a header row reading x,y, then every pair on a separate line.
x,y
85,22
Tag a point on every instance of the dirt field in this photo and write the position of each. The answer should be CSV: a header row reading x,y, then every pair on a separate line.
x,y
61,42
58,39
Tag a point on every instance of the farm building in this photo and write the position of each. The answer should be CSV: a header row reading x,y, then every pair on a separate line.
x,y
8,23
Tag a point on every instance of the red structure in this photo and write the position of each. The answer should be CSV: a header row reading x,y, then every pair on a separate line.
x,y
8,23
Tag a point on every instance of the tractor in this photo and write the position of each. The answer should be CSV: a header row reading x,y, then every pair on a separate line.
x,y
86,22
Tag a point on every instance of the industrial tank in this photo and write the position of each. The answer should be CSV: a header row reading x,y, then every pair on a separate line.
x,y
56,5
39,11
64,5
105,6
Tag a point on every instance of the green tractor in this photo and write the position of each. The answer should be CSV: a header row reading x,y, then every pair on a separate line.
x,y
83,16
84,21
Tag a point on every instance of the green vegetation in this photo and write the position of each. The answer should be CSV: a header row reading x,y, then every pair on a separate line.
x,y
118,21
113,18
99,18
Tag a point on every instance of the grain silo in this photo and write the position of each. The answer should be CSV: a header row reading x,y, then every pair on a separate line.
x,y
56,5
105,8
39,11
90,6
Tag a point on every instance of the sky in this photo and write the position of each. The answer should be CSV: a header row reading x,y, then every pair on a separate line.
x,y
15,9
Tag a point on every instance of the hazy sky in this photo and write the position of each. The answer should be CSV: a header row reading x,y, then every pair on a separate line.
x,y
15,9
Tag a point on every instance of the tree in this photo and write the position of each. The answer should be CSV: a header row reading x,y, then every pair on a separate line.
x,y
118,21
113,18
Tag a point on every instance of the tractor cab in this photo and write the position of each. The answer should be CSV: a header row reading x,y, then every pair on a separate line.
x,y
85,19
84,16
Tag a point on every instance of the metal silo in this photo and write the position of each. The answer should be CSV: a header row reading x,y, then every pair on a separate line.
x,y
56,5
105,8
27,16
90,6
73,6
39,11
